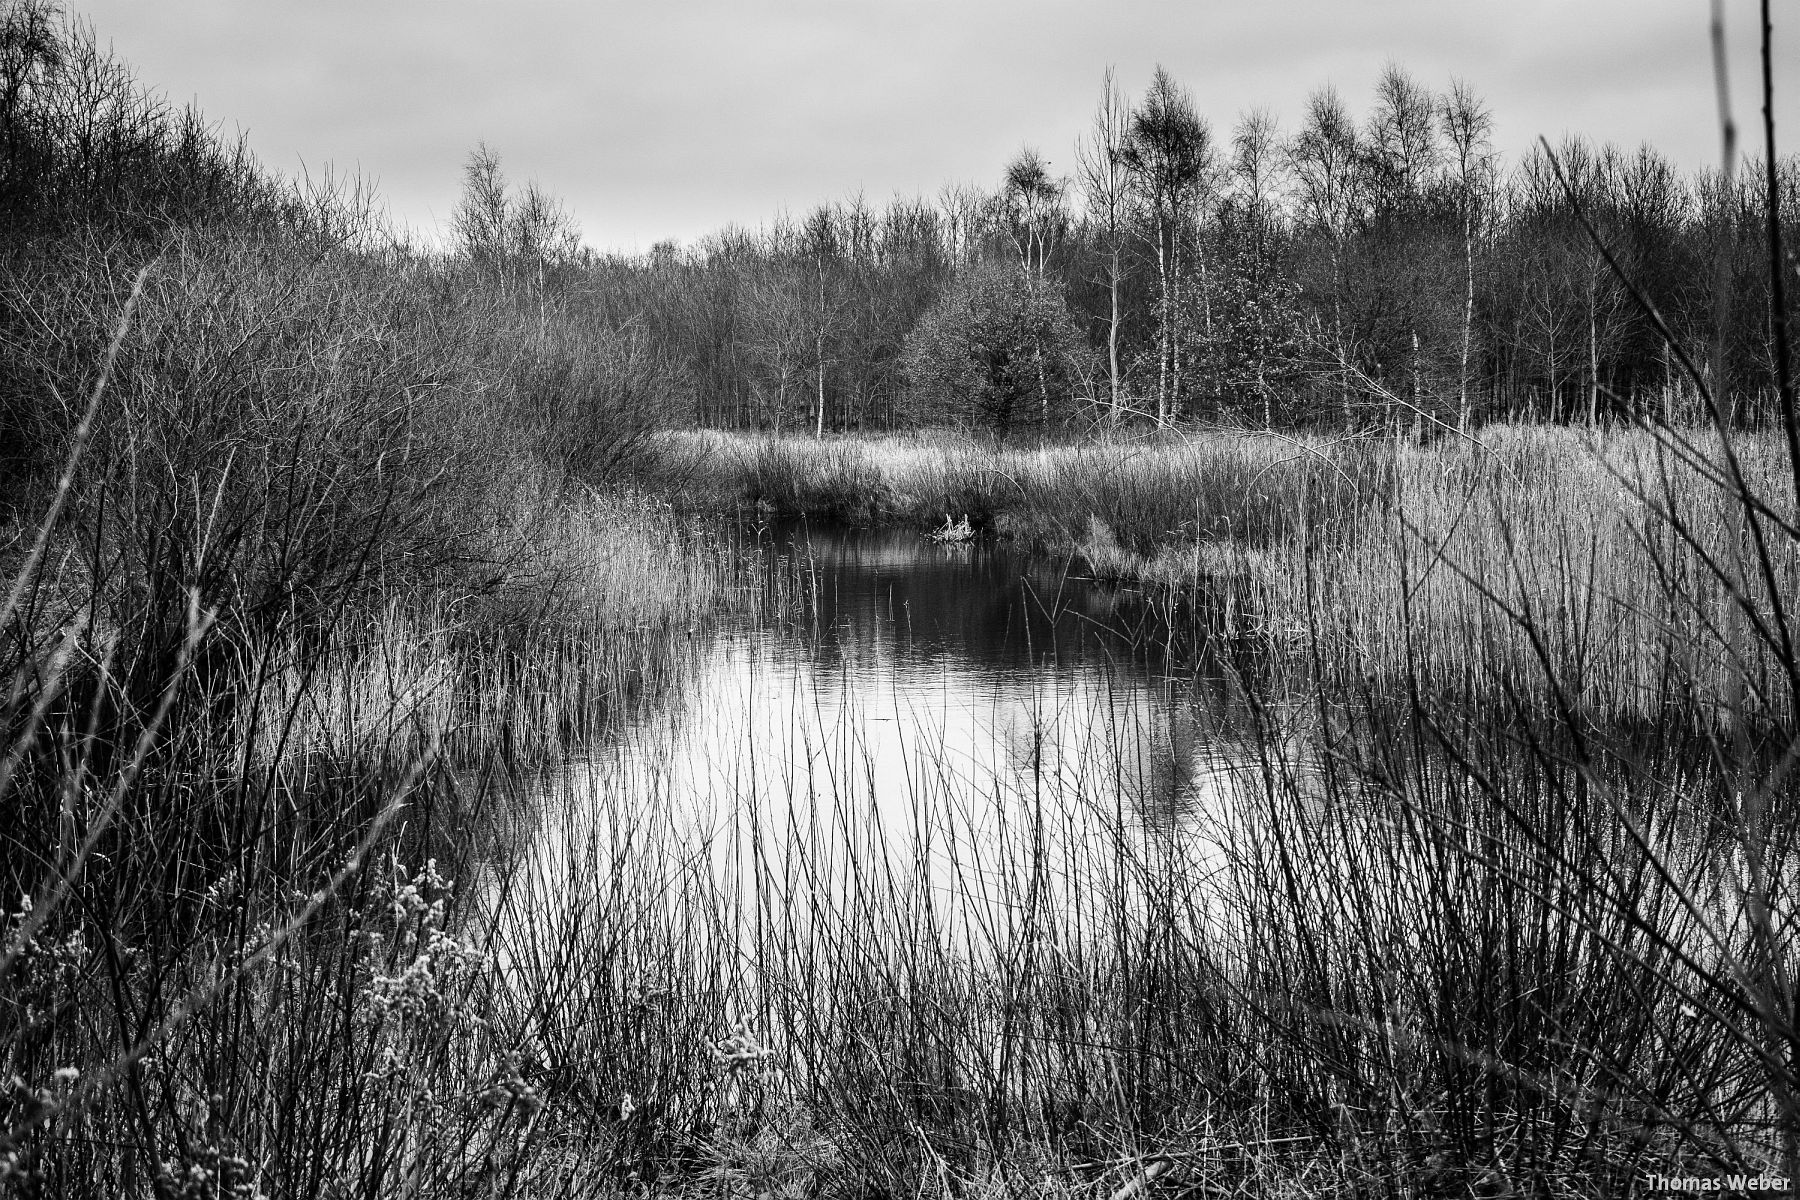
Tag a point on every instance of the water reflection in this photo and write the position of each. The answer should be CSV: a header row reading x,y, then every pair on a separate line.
x,y
957,717
985,606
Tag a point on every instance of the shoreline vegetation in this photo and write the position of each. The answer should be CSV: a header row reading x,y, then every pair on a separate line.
x,y
1390,559
331,560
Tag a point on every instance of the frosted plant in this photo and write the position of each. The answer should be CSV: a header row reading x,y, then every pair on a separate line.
x,y
509,1089
436,982
207,1173
740,1051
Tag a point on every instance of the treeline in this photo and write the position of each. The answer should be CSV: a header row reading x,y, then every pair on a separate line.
x,y
1381,270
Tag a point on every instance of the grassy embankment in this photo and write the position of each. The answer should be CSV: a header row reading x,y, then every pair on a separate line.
x,y
310,550
291,613
1369,557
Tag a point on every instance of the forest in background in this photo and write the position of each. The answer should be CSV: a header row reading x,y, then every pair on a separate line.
x,y
1382,270
1388,270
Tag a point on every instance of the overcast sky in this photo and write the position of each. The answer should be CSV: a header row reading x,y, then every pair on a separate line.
x,y
669,118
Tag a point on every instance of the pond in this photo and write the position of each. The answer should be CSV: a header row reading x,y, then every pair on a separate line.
x,y
968,730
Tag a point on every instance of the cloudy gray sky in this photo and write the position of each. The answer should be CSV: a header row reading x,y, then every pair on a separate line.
x,y
669,118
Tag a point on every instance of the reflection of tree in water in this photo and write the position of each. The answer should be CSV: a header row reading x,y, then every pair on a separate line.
x,y
1106,689
1167,783
1205,748
988,604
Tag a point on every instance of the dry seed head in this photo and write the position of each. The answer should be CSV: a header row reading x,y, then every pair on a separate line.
x,y
741,1049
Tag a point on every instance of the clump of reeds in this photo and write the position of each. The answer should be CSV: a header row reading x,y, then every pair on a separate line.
x,y
953,533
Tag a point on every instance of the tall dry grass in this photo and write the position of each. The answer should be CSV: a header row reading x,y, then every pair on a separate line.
x,y
304,599
312,544
236,960
1465,559
1473,930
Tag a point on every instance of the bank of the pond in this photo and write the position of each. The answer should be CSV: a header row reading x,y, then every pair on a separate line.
x,y
1033,943
1421,954
214,983
1146,495
1517,554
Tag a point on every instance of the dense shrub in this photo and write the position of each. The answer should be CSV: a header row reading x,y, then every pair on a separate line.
x,y
999,351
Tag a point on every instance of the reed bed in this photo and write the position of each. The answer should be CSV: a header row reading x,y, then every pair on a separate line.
x,y
594,617
1460,562
430,909
1148,494
1596,570
230,952
1368,964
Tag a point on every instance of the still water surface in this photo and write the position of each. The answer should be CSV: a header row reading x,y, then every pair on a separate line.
x,y
952,717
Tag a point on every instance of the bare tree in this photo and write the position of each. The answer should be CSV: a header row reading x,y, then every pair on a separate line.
x,y
1168,157
1257,170
1032,203
777,331
1327,158
1404,155
1101,171
1255,175
1403,139
962,206
540,232
479,218
516,238
821,248
1468,126
31,53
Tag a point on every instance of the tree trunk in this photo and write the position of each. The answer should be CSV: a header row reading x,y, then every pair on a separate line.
x,y
1162,331
1337,331
1593,352
1112,334
820,430
1174,315
1206,321
1550,354
1462,395
1043,390
1418,395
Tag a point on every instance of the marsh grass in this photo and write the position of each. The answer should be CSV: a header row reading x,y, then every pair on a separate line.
x,y
325,873
231,967
1392,958
1457,561
1474,912
1248,489
1413,947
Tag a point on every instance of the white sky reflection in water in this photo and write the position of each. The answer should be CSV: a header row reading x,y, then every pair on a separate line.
x,y
935,728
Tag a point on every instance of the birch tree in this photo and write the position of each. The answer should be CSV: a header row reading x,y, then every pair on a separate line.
x,y
1100,168
1327,157
1031,201
1468,127
821,249
1168,156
